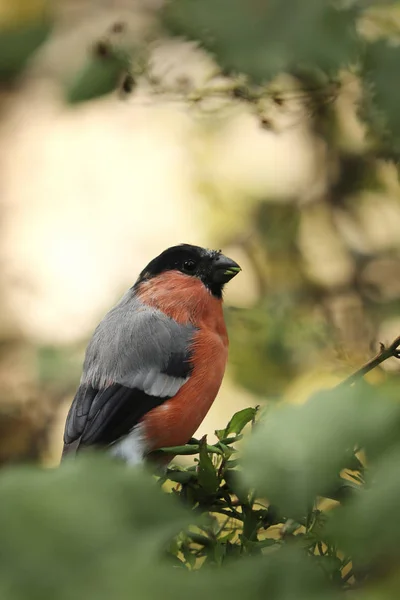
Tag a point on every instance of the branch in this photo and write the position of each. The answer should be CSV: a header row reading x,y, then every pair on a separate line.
x,y
384,353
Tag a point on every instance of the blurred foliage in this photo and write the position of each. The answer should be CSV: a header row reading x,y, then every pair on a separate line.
x,y
100,75
380,71
260,40
326,281
282,329
325,47
307,509
24,26
16,46
326,284
317,42
305,505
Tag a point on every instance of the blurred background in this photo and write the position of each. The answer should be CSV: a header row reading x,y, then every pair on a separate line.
x,y
94,185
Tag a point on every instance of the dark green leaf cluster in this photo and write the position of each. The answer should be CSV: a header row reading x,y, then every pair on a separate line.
x,y
257,39
101,73
235,523
314,39
18,41
263,38
340,451
297,458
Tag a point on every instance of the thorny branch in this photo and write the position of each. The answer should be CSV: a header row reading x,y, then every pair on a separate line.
x,y
393,350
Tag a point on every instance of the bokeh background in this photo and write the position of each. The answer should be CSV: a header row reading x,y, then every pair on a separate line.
x,y
288,184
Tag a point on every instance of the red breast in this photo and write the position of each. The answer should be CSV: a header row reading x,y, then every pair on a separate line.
x,y
185,299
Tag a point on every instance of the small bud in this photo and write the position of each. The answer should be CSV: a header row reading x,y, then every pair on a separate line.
x,y
241,92
118,27
266,123
184,83
128,84
278,100
102,49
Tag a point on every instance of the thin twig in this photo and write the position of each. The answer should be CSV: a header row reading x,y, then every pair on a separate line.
x,y
348,576
234,514
384,353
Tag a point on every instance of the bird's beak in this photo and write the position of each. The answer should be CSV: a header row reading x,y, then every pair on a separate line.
x,y
224,269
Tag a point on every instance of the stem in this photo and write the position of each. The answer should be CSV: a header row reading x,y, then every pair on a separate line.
x,y
348,576
232,514
250,523
198,538
383,354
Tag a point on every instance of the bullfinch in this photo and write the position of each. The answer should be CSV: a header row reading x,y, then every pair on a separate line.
x,y
156,361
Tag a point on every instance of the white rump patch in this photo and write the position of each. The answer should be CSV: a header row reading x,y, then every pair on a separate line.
x,y
131,448
156,384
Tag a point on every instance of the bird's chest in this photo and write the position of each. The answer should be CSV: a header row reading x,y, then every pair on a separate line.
x,y
175,422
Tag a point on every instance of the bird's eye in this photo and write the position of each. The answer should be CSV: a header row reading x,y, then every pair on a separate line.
x,y
189,266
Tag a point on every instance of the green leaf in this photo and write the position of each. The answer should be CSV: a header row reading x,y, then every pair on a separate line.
x,y
90,529
343,490
219,553
297,452
207,477
368,527
18,43
381,73
189,449
237,423
225,442
181,450
228,537
189,557
256,37
226,450
232,477
181,476
99,76
260,544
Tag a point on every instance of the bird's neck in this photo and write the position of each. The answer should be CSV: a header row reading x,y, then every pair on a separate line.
x,y
183,298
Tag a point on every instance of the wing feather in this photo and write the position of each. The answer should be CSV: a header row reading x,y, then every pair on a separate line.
x,y
137,359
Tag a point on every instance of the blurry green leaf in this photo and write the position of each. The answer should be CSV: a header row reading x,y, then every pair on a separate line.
x,y
297,452
95,529
342,490
228,451
189,557
353,462
237,423
232,477
181,450
381,72
189,449
225,442
263,37
258,545
181,476
99,76
368,527
18,43
228,537
88,529
219,553
281,574
207,477
276,339
231,464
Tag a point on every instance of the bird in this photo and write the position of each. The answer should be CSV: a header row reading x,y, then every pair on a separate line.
x,y
156,361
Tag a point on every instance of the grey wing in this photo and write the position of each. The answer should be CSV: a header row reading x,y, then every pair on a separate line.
x,y
137,359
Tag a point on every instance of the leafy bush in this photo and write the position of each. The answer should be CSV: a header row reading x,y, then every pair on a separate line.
x,y
308,508
314,41
308,511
